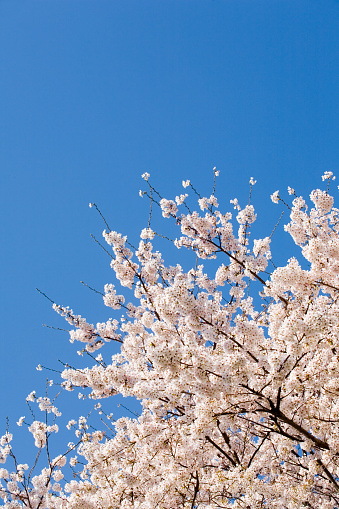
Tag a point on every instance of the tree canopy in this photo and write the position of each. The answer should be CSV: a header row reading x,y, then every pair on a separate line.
x,y
235,365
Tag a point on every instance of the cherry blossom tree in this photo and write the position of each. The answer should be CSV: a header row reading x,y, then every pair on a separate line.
x,y
235,363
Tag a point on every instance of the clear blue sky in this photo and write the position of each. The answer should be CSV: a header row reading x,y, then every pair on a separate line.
x,y
95,92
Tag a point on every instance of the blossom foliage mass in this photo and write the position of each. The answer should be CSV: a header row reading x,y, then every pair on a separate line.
x,y
235,363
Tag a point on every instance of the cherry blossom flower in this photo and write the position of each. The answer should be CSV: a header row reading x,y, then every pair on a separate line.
x,y
145,176
275,197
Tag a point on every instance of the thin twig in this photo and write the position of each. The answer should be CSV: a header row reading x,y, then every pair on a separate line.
x,y
97,208
93,289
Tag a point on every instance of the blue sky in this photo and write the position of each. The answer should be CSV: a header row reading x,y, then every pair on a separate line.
x,y
93,93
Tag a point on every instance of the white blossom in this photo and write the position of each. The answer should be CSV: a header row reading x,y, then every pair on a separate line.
x,y
145,176
328,175
21,421
168,207
147,233
31,396
275,197
179,200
